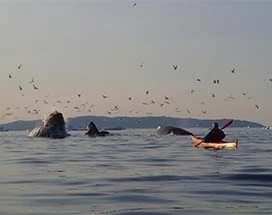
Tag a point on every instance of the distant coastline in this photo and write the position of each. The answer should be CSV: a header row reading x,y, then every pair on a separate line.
x,y
103,122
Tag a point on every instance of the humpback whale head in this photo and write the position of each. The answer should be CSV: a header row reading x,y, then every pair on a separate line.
x,y
92,131
53,127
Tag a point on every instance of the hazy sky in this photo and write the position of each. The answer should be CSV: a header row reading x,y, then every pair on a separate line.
x,y
114,48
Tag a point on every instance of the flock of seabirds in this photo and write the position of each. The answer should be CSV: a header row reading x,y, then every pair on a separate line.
x,y
114,109
33,110
54,125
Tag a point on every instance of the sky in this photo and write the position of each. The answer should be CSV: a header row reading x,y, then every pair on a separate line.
x,y
77,51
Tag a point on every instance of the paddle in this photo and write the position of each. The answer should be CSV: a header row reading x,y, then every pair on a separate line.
x,y
225,126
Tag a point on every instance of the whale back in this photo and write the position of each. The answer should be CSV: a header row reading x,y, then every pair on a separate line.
x,y
170,130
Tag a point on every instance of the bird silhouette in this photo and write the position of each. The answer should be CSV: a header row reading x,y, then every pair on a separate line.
x,y
233,70
32,80
231,97
35,87
134,4
20,66
10,76
20,88
175,67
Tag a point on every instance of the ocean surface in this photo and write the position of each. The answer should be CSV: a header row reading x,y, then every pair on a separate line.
x,y
135,172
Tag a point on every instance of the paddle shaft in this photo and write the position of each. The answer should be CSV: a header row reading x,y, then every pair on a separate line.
x,y
227,124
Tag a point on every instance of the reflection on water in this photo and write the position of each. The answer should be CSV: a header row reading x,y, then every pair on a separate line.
x,y
135,172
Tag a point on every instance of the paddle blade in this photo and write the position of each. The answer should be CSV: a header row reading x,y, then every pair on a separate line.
x,y
227,124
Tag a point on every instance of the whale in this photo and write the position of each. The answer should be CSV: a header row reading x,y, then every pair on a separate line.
x,y
52,127
171,130
92,131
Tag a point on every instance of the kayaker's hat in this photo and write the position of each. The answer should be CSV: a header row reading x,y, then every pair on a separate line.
x,y
215,125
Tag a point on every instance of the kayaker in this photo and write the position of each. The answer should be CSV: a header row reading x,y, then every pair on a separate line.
x,y
216,134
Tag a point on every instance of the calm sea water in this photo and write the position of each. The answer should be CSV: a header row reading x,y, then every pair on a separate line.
x,y
135,172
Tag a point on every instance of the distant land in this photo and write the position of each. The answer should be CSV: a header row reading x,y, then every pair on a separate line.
x,y
115,123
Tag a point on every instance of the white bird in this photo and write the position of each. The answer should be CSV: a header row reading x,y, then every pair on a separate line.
x,y
35,87
32,80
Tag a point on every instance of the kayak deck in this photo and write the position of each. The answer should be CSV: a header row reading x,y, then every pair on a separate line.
x,y
198,143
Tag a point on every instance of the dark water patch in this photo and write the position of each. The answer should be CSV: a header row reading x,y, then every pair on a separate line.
x,y
35,213
249,177
238,193
74,183
138,199
135,190
142,213
163,210
32,160
47,181
152,178
57,201
151,160
86,194
255,169
34,181
154,147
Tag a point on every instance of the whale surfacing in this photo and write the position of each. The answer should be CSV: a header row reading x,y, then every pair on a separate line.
x,y
52,127
92,131
170,130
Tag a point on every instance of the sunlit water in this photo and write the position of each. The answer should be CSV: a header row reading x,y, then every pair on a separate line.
x,y
135,172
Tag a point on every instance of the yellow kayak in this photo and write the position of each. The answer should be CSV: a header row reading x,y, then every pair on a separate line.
x,y
198,143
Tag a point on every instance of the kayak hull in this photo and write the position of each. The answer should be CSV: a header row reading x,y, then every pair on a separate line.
x,y
198,143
